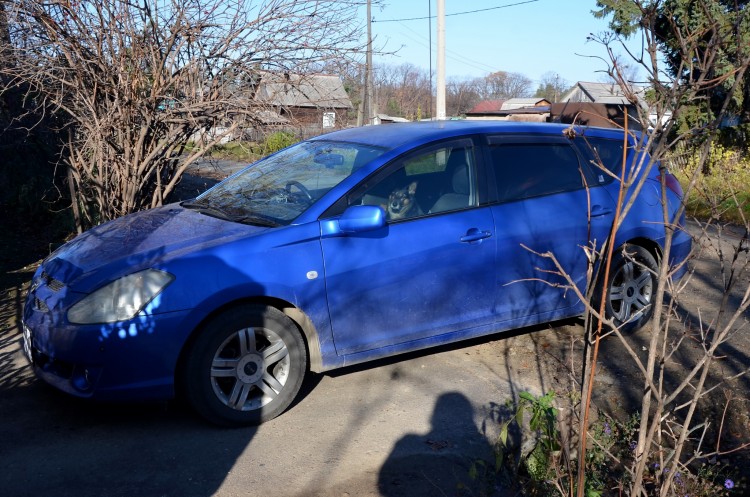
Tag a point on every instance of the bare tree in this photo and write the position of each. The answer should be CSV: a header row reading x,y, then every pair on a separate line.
x,y
461,96
136,80
711,56
552,87
681,353
504,85
403,90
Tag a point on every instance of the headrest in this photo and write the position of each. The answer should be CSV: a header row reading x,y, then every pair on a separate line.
x,y
459,171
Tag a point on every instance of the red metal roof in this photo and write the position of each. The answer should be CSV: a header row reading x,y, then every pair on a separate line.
x,y
487,106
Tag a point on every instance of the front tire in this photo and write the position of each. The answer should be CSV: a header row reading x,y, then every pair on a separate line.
x,y
245,367
632,283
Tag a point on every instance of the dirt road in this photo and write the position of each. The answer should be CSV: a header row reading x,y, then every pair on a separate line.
x,y
410,425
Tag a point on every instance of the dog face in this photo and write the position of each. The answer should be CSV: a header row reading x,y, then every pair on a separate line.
x,y
401,202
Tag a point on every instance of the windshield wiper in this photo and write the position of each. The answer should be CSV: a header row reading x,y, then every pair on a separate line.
x,y
206,209
193,204
256,221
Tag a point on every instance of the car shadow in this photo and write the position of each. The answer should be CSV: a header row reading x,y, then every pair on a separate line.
x,y
56,444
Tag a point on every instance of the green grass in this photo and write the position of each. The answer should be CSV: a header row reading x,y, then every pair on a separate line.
x,y
245,151
237,151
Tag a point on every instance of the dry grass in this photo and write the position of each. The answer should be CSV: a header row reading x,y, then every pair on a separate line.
x,y
724,193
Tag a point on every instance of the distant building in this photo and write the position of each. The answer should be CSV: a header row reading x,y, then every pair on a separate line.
x,y
305,105
514,109
523,103
600,93
611,95
487,107
386,119
595,114
588,104
317,102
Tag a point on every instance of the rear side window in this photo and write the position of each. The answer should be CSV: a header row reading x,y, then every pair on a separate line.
x,y
524,170
604,153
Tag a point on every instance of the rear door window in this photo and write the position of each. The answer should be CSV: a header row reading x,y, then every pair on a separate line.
x,y
526,168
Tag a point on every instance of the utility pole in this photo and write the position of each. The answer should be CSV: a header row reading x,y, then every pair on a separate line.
x,y
368,69
429,30
440,111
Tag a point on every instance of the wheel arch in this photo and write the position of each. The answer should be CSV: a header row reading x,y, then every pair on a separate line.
x,y
303,323
653,247
635,247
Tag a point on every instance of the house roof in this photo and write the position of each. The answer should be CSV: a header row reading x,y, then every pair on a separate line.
x,y
393,119
298,90
487,106
600,93
518,103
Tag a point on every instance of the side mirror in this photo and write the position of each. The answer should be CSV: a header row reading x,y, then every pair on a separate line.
x,y
356,219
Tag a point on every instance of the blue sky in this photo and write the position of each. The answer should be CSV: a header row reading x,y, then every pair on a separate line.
x,y
528,38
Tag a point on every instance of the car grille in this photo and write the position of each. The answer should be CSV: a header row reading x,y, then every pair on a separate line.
x,y
40,305
52,283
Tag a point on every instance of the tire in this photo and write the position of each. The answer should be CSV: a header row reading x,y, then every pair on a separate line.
x,y
633,278
245,367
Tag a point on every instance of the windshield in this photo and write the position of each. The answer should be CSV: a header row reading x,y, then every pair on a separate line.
x,y
276,190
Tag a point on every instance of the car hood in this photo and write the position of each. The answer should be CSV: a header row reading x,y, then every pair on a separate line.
x,y
137,241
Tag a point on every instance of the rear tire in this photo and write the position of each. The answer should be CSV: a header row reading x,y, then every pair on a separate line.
x,y
633,278
245,367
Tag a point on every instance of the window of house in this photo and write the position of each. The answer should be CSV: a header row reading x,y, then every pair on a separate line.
x,y
329,119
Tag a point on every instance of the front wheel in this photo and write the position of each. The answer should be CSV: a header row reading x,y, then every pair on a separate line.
x,y
633,278
245,367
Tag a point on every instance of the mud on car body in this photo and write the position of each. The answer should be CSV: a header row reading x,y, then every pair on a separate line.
x,y
295,265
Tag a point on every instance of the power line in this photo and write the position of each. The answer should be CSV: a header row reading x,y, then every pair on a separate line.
x,y
459,13
452,54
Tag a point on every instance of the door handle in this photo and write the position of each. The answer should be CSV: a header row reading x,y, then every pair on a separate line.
x,y
475,235
599,211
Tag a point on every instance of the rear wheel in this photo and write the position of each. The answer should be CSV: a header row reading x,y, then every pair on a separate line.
x,y
245,367
633,279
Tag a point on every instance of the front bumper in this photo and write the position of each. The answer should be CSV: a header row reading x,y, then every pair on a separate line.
x,y
133,360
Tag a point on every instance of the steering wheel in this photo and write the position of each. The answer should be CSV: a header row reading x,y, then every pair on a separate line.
x,y
301,188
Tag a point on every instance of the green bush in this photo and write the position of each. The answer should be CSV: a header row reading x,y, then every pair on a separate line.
x,y
276,141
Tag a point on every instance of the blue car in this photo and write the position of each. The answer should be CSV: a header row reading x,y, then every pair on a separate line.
x,y
352,246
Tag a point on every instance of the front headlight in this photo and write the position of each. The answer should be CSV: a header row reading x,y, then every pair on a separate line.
x,y
120,300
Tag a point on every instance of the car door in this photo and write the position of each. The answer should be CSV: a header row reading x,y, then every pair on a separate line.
x,y
424,274
544,218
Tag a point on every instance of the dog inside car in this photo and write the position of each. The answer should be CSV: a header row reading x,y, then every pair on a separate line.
x,y
402,203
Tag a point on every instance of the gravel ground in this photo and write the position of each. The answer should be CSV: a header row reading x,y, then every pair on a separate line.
x,y
406,426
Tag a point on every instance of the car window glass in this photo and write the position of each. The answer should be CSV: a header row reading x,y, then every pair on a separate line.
x,y
524,170
605,152
438,179
278,188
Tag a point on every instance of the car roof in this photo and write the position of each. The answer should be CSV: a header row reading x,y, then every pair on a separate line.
x,y
392,136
